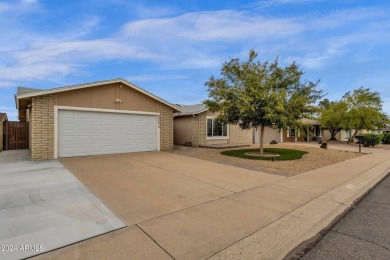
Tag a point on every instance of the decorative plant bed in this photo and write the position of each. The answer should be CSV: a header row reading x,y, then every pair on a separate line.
x,y
278,154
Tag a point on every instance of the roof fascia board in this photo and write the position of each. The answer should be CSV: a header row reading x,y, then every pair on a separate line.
x,y
193,113
87,85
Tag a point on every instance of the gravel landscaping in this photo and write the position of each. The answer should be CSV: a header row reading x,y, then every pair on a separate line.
x,y
315,158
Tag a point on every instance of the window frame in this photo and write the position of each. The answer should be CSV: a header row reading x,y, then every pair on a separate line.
x,y
213,123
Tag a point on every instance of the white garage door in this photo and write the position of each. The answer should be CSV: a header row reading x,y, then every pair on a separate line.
x,y
90,133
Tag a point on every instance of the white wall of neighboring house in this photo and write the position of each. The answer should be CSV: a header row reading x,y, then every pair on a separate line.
x,y
269,135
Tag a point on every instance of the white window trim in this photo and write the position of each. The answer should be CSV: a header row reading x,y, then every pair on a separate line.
x,y
56,108
217,137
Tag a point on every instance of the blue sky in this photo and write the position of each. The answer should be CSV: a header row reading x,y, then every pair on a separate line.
x,y
171,48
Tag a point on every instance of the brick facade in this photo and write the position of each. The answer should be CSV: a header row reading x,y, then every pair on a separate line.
x,y
238,136
202,128
195,131
42,127
166,128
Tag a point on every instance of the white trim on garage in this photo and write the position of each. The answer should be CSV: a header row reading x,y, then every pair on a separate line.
x,y
57,108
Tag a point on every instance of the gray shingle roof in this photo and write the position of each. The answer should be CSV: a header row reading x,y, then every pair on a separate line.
x,y
192,109
22,90
309,121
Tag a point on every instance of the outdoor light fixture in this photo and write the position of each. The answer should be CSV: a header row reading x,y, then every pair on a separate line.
x,y
118,100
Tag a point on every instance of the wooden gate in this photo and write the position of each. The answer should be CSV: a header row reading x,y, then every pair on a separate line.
x,y
15,135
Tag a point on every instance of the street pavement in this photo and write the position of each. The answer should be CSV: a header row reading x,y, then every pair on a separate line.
x,y
363,233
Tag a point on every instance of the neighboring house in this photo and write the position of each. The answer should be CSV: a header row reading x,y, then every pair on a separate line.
x,y
105,117
342,135
312,131
197,125
3,118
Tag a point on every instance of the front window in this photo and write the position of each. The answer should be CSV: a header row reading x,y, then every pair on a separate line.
x,y
292,132
216,129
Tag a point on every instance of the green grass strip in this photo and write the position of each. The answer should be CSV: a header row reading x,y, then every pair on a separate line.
x,y
285,154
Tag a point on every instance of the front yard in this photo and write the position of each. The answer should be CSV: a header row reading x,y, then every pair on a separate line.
x,y
315,158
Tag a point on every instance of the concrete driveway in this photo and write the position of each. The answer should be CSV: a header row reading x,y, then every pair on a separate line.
x,y
44,207
143,186
185,208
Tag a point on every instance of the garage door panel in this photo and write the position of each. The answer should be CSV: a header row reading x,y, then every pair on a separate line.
x,y
92,133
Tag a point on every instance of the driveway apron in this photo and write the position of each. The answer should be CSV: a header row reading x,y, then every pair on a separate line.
x,y
44,207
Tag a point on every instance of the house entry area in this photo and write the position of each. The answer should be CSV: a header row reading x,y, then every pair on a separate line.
x,y
82,133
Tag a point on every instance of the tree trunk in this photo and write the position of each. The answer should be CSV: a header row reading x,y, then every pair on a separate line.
x,y
333,135
261,139
351,137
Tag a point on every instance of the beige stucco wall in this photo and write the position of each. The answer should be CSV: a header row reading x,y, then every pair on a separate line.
x,y
195,131
42,127
182,130
42,113
105,96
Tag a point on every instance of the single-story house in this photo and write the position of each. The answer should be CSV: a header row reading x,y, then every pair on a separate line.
x,y
105,117
312,131
196,125
344,135
3,118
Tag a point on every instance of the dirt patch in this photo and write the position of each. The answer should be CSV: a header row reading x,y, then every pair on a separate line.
x,y
315,158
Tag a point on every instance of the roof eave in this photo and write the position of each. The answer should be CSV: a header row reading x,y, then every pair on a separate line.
x,y
192,113
87,85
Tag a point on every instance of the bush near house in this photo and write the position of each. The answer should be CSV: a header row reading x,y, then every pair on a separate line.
x,y
386,138
371,139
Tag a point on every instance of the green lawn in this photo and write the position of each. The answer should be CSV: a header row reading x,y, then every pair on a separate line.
x,y
285,154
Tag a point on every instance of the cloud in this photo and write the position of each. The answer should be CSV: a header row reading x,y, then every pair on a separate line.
x,y
149,77
23,6
226,25
193,40
12,113
272,3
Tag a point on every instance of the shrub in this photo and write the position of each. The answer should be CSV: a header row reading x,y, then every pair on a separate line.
x,y
386,138
371,139
273,142
324,145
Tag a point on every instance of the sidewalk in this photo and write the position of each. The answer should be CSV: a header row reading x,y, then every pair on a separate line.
x,y
334,189
364,233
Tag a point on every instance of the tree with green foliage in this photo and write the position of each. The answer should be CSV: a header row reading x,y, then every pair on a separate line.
x,y
333,116
364,111
253,94
325,104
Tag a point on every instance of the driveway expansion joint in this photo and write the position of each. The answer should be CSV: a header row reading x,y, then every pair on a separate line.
x,y
160,246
